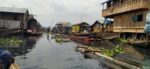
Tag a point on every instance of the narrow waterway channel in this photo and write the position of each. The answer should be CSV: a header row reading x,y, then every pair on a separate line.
x,y
42,52
47,54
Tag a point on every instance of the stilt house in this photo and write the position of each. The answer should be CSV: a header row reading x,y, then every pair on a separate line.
x,y
97,27
79,28
129,15
13,18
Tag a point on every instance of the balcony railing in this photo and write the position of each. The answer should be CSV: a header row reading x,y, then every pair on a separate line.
x,y
9,24
125,7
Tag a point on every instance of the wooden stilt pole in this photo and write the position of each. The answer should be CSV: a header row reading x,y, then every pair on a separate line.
x,y
124,37
147,40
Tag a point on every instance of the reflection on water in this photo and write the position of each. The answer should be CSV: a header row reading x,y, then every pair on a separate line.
x,y
27,43
144,57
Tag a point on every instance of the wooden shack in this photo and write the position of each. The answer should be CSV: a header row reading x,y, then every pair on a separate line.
x,y
97,27
81,27
62,27
129,15
13,18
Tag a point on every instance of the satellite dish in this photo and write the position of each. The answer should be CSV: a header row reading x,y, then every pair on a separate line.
x,y
147,24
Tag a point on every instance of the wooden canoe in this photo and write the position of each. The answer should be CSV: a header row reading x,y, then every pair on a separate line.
x,y
14,66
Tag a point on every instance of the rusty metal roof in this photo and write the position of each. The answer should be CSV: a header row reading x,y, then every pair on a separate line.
x,y
65,24
82,23
107,1
13,10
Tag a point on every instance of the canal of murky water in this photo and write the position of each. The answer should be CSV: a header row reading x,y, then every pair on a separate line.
x,y
42,52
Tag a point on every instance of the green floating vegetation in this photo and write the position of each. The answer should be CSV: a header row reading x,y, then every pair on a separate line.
x,y
117,50
61,39
10,41
121,40
58,40
107,52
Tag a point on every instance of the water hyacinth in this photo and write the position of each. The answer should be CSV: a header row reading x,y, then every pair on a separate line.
x,y
10,41
121,40
107,52
117,50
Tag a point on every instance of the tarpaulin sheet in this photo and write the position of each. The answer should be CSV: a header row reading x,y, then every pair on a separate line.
x,y
147,24
107,21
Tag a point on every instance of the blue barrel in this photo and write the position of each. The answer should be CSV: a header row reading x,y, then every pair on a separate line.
x,y
5,58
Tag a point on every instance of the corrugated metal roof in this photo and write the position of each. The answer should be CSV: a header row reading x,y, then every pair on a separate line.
x,y
81,23
106,1
101,21
65,24
13,10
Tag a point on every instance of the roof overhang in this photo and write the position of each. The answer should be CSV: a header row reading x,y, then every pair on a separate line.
x,y
106,1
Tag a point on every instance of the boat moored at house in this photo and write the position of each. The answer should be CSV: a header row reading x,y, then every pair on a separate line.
x,y
33,26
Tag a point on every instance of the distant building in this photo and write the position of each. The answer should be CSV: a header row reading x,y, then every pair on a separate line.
x,y
62,27
81,27
97,27
13,18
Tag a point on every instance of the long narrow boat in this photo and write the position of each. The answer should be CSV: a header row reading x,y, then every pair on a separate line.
x,y
33,33
81,39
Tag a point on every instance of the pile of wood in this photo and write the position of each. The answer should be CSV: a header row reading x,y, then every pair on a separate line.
x,y
97,52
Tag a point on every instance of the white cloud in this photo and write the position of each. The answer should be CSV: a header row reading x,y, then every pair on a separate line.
x,y
48,11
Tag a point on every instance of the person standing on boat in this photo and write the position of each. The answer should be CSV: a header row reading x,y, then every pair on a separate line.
x,y
6,59
49,29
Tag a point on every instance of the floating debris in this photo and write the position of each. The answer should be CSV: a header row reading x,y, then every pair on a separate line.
x,y
61,38
107,55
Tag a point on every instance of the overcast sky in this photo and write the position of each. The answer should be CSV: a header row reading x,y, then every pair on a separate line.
x,y
49,12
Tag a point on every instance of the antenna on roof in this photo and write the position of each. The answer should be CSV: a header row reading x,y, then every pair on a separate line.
x,y
30,10
13,6
81,19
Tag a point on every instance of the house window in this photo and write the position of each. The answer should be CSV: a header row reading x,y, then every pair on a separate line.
x,y
137,18
122,1
15,17
140,17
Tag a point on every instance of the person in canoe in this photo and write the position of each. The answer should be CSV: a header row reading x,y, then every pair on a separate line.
x,y
7,60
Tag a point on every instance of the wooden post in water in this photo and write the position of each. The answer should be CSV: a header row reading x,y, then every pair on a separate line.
x,y
147,40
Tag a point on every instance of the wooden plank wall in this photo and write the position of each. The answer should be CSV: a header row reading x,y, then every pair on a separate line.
x,y
23,18
124,22
127,5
